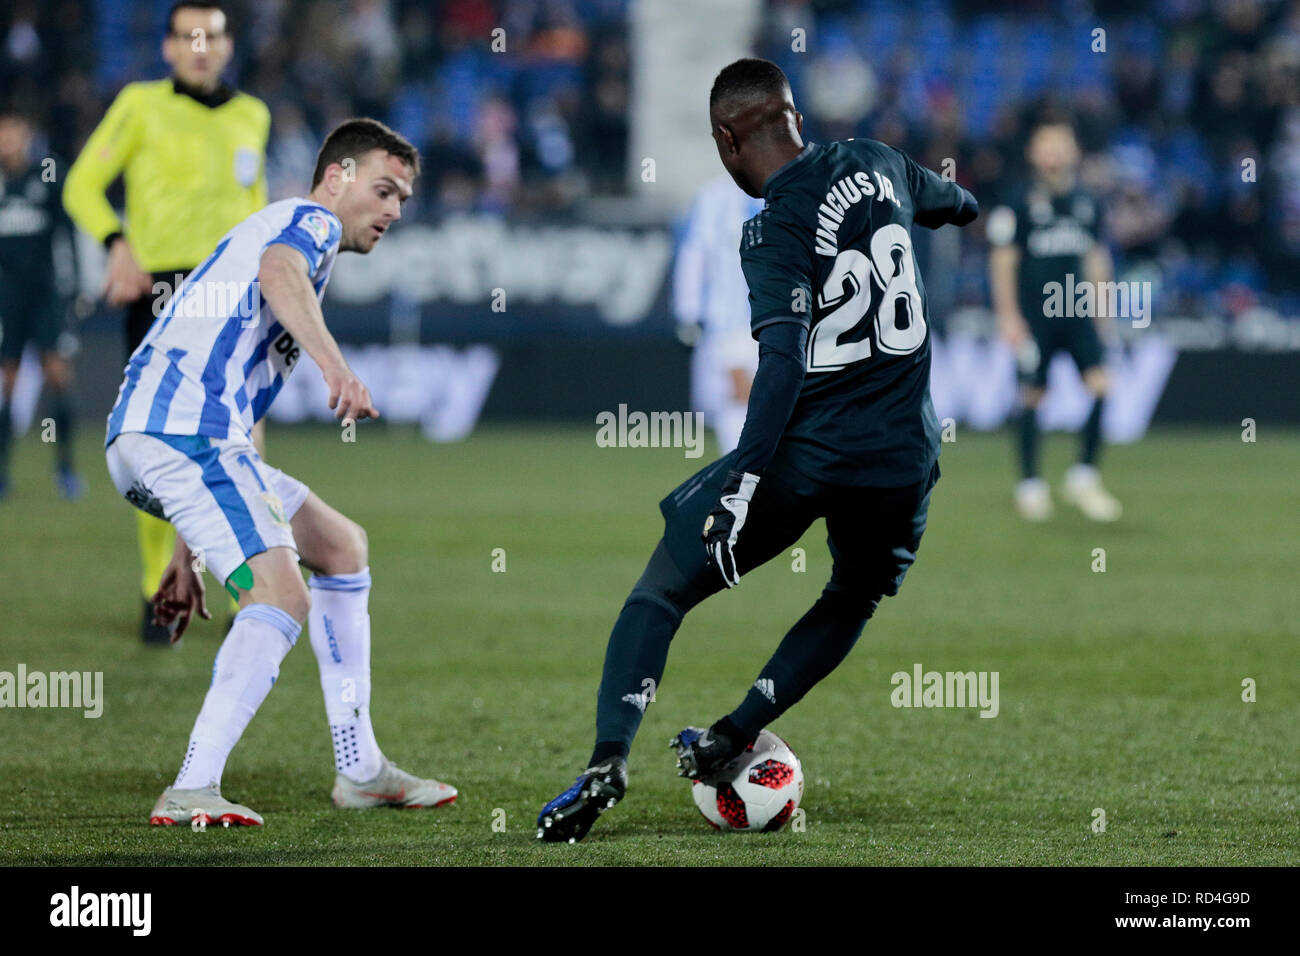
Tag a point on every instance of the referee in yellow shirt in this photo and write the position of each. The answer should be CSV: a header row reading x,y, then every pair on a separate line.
x,y
192,152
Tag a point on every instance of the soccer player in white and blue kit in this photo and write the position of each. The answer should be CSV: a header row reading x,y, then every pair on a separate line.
x,y
179,447
709,290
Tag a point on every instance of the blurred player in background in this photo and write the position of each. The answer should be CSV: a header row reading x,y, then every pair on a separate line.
x,y
180,448
1050,232
709,295
37,286
840,425
192,152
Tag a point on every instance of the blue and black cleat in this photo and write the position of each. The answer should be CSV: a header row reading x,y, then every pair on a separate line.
x,y
702,753
568,817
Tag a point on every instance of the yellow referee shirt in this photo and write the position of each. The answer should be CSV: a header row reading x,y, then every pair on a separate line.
x,y
191,172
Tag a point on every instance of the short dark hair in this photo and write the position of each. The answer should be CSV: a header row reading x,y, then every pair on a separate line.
x,y
354,137
747,79
193,5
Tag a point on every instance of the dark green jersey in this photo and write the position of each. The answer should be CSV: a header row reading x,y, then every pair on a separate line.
x,y
1053,233
833,249
35,233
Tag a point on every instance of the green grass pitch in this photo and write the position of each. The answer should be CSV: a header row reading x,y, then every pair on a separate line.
x,y
1119,690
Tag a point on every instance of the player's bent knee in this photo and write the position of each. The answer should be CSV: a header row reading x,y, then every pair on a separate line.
x,y
659,600
361,547
349,551
344,551
663,583
293,600
273,578
1096,381
1032,397
852,601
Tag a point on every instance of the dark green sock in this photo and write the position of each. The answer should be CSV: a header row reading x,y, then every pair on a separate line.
x,y
6,438
61,412
634,665
1028,434
638,652
812,649
1090,440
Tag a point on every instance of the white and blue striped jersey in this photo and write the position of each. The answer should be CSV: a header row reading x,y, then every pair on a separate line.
x,y
709,286
216,356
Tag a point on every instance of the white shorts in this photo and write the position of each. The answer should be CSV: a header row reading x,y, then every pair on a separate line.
x,y
221,497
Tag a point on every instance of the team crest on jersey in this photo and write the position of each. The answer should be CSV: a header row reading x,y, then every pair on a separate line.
x,y
247,164
317,226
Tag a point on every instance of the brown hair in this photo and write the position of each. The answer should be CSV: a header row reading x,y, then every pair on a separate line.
x,y
353,137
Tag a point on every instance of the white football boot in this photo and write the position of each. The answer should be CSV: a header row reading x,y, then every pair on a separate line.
x,y
393,787
1033,500
1084,490
177,806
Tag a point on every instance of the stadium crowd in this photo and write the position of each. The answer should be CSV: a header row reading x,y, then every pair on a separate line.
x,y
514,133
1188,110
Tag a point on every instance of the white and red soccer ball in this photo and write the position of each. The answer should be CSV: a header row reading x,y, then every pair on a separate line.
x,y
759,790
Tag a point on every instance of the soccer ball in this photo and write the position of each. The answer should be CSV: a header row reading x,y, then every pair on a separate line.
x,y
759,790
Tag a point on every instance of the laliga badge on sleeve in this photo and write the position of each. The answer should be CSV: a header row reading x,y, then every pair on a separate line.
x,y
316,226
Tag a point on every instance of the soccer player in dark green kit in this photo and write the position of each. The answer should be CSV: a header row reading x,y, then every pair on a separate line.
x,y
839,425
37,275
1048,237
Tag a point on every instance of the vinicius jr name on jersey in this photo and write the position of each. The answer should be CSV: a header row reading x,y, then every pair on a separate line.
x,y
843,195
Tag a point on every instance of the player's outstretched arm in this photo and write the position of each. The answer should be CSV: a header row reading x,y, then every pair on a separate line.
x,y
937,201
287,288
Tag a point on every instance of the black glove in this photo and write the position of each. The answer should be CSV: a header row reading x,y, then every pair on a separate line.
x,y
723,525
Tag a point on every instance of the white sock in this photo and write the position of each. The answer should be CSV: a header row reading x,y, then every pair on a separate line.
x,y
246,667
340,635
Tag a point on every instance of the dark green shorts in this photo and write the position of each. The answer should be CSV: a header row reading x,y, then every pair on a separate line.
x,y
1074,335
27,314
873,533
